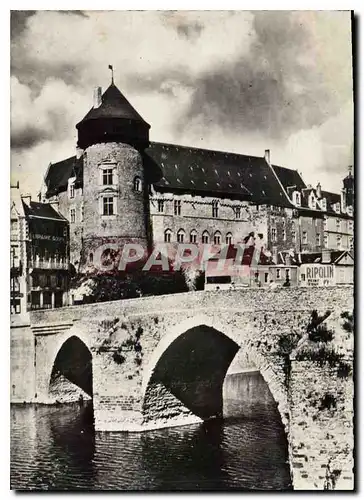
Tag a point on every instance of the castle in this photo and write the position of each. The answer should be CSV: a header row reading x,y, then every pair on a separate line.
x,y
121,187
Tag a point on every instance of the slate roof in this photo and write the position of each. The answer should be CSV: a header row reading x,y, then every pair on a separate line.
x,y
113,105
289,178
59,173
42,210
217,173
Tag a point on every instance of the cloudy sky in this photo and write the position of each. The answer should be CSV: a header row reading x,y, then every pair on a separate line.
x,y
235,81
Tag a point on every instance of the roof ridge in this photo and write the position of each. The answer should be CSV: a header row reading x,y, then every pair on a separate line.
x,y
206,149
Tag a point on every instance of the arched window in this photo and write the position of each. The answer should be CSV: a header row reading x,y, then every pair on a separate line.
x,y
137,184
193,236
217,238
180,236
205,237
167,235
215,209
229,239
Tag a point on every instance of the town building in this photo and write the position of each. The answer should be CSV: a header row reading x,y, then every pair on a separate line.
x,y
39,255
120,187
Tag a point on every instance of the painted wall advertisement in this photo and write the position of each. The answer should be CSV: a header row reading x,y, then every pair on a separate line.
x,y
317,275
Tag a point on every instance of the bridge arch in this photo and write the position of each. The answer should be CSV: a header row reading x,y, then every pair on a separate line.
x,y
71,369
235,337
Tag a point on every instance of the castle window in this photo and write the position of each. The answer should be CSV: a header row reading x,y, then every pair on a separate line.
x,y
82,214
167,235
193,236
137,184
177,207
338,224
180,236
337,208
318,240
323,204
59,281
107,176
325,224
351,243
304,237
91,258
338,241
350,226
160,206
274,234
217,238
35,280
293,236
284,234
237,212
326,241
278,274
205,237
297,198
229,239
108,205
215,209
73,215
48,280
350,211
72,190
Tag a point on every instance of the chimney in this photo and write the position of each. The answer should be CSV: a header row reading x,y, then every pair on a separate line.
x,y
27,198
267,155
97,97
275,255
326,257
318,190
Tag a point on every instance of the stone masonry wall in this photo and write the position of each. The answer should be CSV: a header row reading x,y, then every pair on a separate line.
x,y
321,439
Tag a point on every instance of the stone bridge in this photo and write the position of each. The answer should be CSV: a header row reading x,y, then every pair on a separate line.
x,y
146,362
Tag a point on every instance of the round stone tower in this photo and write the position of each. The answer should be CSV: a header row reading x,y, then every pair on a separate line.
x,y
113,137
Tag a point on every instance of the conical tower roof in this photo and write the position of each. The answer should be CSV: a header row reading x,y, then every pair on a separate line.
x,y
114,120
113,105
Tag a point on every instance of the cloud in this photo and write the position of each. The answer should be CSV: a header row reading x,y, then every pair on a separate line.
x,y
240,81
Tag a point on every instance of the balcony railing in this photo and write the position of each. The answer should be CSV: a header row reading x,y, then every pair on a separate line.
x,y
47,264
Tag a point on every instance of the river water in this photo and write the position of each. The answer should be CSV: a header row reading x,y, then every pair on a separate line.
x,y
56,448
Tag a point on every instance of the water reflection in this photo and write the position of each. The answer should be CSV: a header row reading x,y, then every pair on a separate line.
x,y
56,448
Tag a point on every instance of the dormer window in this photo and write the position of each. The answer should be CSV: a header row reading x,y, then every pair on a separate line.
x,y
312,201
323,204
350,211
71,187
297,198
337,208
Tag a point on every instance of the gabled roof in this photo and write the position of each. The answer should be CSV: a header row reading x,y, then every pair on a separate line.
x,y
42,210
113,105
289,178
59,173
219,173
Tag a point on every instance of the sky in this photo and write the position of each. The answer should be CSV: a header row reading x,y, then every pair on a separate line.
x,y
234,81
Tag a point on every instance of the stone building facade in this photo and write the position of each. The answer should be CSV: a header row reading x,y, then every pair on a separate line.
x,y
39,255
121,187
